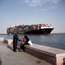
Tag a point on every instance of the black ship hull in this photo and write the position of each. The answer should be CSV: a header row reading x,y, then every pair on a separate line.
x,y
40,31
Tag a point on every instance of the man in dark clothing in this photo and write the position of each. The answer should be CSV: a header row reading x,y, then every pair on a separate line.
x,y
15,40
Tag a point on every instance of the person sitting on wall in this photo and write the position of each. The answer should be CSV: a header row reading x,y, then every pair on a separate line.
x,y
25,41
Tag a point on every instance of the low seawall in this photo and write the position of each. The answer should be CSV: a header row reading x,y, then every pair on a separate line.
x,y
52,55
42,53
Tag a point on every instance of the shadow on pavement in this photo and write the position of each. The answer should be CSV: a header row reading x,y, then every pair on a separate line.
x,y
0,62
10,47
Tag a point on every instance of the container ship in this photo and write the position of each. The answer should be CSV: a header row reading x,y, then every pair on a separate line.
x,y
31,29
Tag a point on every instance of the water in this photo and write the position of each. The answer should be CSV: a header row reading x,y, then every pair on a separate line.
x,y
52,40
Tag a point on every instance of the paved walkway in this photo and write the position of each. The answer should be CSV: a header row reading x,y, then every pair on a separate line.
x,y
8,57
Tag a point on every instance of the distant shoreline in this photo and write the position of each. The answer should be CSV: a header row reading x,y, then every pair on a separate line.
x,y
57,33
3,34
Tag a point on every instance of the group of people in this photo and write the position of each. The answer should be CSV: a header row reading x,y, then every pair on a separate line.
x,y
20,43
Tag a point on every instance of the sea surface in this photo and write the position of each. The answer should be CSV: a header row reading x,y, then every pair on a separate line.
x,y
52,40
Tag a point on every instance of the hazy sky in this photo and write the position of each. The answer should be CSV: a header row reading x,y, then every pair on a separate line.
x,y
15,12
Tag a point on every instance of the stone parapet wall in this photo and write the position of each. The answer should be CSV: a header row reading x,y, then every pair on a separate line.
x,y
52,55
42,55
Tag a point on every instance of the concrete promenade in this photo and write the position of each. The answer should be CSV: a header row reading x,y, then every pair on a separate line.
x,y
8,57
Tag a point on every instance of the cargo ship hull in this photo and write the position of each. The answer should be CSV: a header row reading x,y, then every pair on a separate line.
x,y
40,31
31,29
